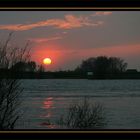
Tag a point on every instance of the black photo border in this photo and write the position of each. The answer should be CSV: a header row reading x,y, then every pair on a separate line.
x,y
70,5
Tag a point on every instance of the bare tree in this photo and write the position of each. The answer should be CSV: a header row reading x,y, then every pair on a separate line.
x,y
10,89
83,116
41,68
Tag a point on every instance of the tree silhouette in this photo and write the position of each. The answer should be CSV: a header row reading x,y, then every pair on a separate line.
x,y
19,66
32,66
103,65
10,88
24,66
41,68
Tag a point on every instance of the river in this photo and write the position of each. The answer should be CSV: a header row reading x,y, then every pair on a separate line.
x,y
48,99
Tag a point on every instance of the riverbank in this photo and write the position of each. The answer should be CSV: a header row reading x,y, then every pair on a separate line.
x,y
67,75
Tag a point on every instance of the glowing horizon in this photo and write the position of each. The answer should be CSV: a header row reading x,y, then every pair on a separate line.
x,y
68,37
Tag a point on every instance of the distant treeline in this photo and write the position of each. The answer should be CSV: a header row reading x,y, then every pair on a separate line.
x,y
101,67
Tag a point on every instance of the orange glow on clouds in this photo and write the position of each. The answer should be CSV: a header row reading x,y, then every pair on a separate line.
x,y
118,51
68,22
72,57
41,52
40,40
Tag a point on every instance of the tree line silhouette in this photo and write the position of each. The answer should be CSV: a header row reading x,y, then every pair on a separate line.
x,y
102,67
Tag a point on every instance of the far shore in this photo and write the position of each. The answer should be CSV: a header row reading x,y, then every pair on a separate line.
x,y
67,75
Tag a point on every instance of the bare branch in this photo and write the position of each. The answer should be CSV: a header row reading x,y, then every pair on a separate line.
x,y
10,89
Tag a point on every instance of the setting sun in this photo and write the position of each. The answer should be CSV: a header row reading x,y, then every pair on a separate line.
x,y
47,61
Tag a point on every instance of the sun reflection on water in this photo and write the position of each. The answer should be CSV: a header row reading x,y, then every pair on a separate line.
x,y
48,105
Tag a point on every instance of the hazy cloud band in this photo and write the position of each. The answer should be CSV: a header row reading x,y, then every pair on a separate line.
x,y
69,22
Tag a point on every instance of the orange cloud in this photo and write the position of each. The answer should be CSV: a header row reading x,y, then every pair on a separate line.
x,y
40,40
69,22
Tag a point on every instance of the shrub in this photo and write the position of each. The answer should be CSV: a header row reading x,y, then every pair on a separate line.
x,y
83,116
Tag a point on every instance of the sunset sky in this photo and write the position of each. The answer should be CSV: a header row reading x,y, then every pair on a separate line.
x,y
68,37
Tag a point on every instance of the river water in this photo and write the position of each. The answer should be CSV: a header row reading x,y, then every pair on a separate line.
x,y
48,99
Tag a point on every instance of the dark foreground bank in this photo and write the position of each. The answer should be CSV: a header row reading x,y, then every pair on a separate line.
x,y
67,75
